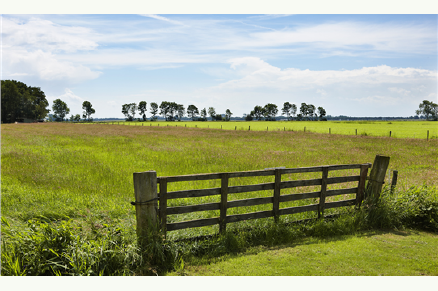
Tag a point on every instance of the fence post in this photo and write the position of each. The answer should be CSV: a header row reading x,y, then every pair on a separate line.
x,y
223,205
145,188
323,191
394,180
427,135
377,177
276,200
163,204
361,184
389,133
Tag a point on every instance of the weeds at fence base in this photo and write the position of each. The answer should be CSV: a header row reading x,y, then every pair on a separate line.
x,y
65,248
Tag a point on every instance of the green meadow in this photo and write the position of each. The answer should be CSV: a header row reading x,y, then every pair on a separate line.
x,y
83,173
397,129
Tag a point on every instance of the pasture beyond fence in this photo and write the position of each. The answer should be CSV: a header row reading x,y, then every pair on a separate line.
x,y
150,216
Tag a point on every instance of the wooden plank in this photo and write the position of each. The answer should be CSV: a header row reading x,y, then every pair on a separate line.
x,y
194,177
223,204
251,188
300,196
249,202
336,180
248,216
300,183
192,223
340,203
324,179
251,173
301,170
347,167
341,192
361,185
299,209
163,204
193,208
276,200
193,193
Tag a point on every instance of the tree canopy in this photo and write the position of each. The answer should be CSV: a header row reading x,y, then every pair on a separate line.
x,y
428,109
21,101
88,110
60,109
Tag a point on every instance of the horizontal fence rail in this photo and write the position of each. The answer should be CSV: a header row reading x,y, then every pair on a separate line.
x,y
275,199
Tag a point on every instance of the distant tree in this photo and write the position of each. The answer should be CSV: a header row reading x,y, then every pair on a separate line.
x,y
168,110
218,117
20,101
311,111
60,109
248,117
129,111
88,110
77,118
270,111
304,111
192,111
133,109
286,109
428,109
180,111
142,109
228,114
212,113
154,110
293,110
322,113
204,114
257,113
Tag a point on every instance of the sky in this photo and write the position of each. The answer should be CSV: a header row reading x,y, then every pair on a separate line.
x,y
350,64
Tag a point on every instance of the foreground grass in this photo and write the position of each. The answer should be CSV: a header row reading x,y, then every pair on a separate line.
x,y
76,180
372,253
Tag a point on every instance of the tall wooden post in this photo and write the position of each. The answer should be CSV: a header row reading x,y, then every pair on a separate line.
x,y
163,204
377,177
145,188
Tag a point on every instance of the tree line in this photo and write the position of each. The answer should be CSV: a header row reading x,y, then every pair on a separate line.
x,y
171,111
19,101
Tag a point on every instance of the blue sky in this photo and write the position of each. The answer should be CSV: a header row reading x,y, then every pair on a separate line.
x,y
356,65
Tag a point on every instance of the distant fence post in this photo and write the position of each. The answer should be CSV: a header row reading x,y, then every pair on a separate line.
x,y
427,135
377,177
145,188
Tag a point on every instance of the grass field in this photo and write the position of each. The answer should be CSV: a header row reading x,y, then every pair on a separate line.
x,y
398,129
372,253
83,173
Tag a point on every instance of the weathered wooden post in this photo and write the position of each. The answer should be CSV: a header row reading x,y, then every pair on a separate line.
x,y
361,185
377,177
145,189
321,207
394,180
276,200
223,203
427,135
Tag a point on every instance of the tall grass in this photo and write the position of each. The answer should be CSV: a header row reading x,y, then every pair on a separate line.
x,y
75,181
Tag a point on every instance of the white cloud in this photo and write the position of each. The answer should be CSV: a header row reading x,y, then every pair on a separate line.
x,y
68,97
163,19
44,65
47,36
399,90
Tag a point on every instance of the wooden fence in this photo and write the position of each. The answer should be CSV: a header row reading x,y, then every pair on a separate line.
x,y
148,213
